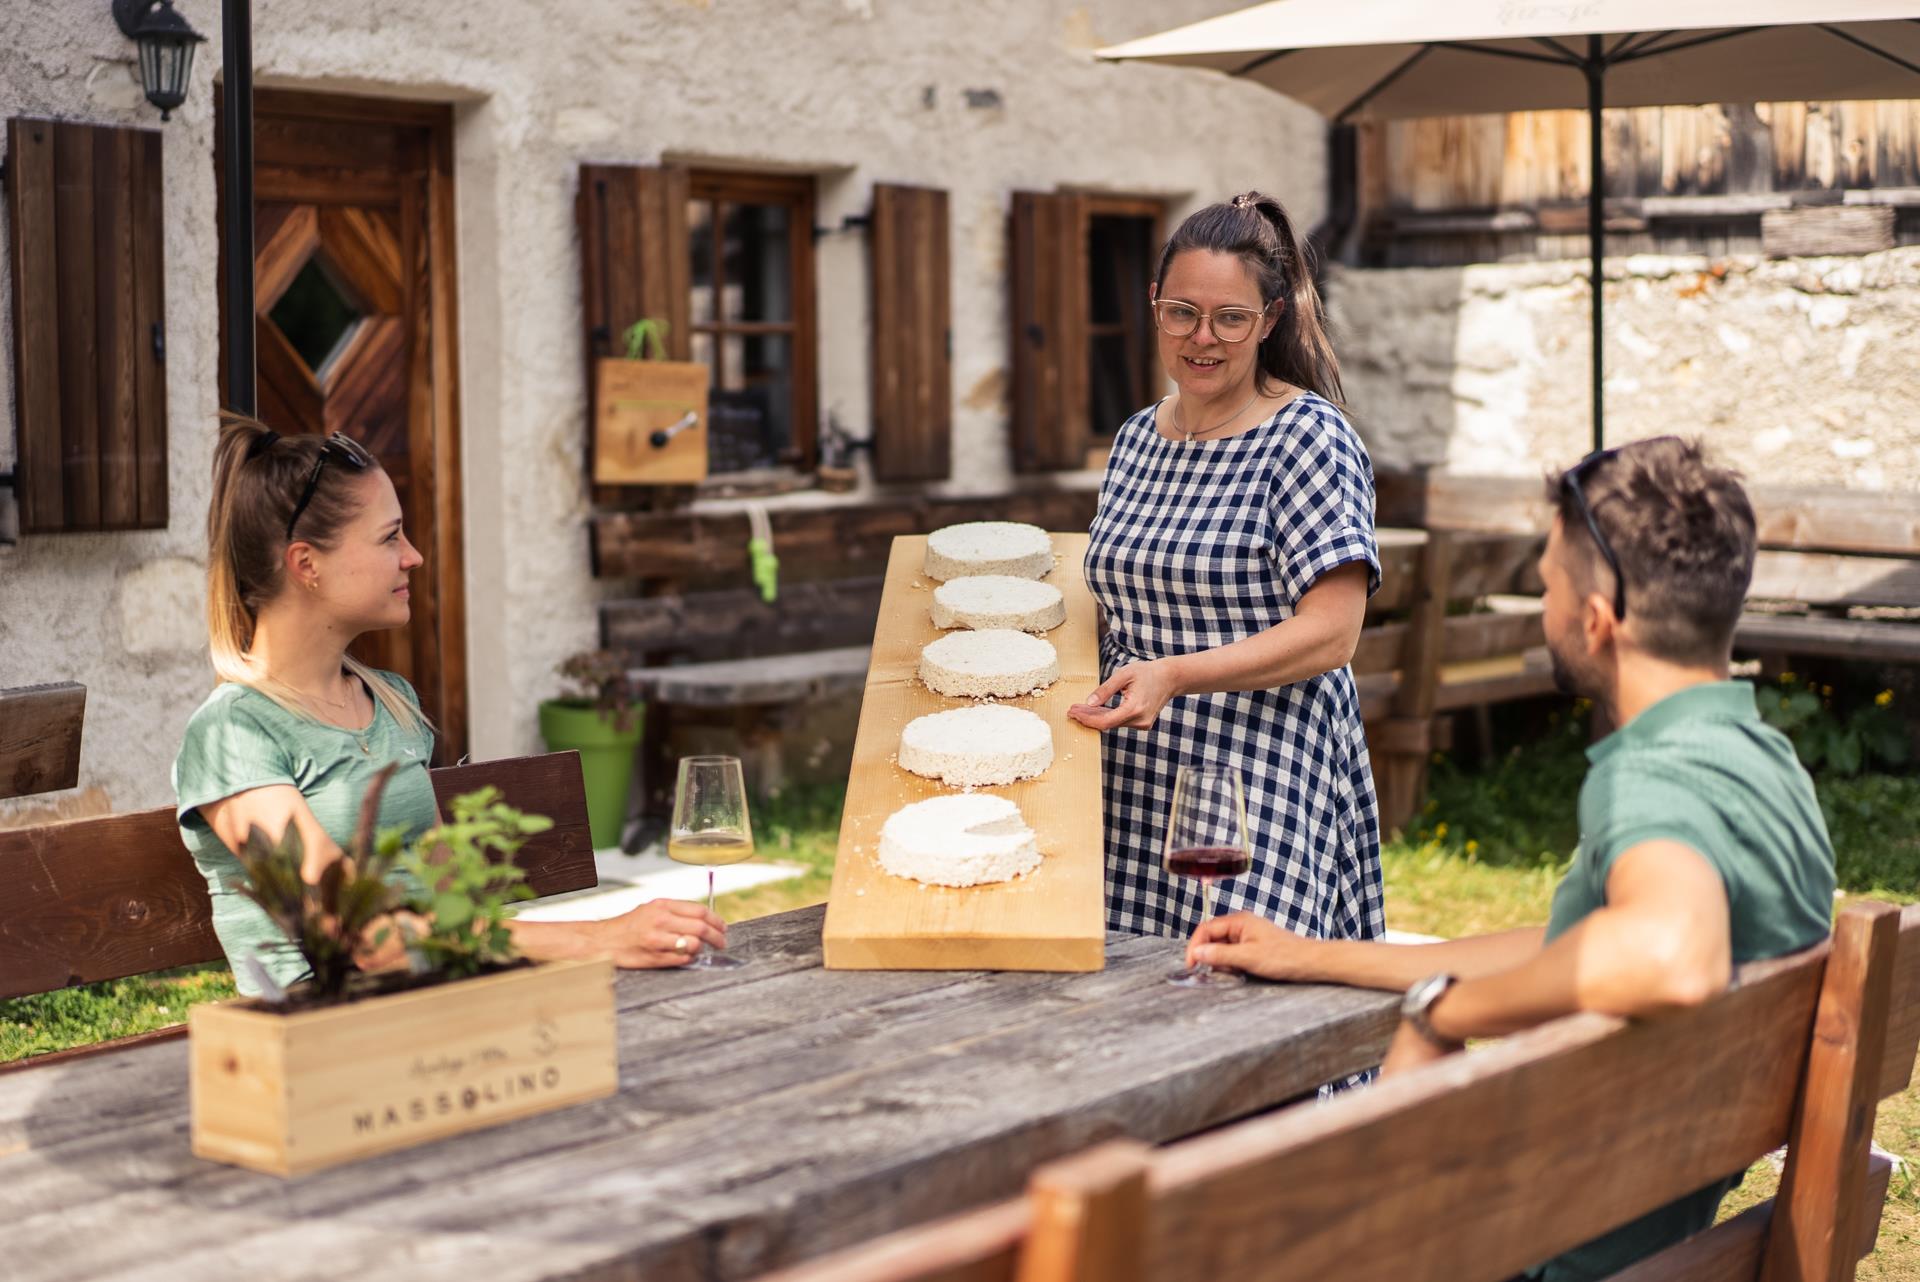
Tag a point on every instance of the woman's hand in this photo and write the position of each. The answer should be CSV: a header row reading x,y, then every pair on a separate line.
x,y
646,937
390,953
1410,1049
1254,945
1144,689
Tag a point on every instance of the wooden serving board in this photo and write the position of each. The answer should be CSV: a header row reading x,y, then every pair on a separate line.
x,y
1051,919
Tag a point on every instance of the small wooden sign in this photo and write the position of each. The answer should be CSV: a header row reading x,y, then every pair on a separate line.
x,y
650,425
288,1094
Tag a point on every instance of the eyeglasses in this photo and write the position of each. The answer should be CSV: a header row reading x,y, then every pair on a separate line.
x,y
351,455
1230,324
1571,480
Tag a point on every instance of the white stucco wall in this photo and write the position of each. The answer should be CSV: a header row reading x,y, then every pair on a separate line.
x,y
856,91
1798,372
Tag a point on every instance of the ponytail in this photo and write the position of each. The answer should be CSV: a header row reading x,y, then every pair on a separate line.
x,y
258,476
1256,228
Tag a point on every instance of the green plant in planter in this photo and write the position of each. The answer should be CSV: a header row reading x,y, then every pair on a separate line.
x,y
648,330
598,679
463,879
600,717
467,863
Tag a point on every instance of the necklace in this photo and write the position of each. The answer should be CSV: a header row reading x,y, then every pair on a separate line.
x,y
1179,409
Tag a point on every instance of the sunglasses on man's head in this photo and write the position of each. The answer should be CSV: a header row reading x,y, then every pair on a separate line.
x,y
348,452
1571,480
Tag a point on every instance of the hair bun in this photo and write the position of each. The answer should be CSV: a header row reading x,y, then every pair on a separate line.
x,y
262,443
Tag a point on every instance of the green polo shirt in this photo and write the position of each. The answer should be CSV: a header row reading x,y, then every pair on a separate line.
x,y
1701,768
239,739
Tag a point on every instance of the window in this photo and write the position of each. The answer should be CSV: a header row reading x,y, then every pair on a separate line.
x,y
1123,239
751,318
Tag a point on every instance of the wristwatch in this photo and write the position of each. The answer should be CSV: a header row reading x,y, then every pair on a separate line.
x,y
1416,1005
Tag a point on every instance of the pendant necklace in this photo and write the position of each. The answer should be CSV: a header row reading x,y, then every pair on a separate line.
x,y
1180,410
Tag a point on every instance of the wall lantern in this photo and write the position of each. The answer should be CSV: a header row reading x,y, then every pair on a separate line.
x,y
166,49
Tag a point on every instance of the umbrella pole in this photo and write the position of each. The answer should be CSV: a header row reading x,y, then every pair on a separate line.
x,y
236,223
1596,69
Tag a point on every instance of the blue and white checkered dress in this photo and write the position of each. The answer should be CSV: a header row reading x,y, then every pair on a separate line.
x,y
1199,544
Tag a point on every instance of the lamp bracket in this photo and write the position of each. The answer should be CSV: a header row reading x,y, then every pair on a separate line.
x,y
128,14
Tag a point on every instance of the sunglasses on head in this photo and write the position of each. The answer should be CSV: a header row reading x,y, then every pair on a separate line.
x,y
348,452
1570,479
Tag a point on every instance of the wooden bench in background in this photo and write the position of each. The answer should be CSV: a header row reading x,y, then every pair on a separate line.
x,y
1830,560
1456,625
1487,1163
40,738
105,898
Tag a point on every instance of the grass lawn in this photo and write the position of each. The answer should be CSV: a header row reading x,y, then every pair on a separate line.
x,y
1484,856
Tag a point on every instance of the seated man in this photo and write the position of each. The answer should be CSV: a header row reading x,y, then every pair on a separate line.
x,y
1701,843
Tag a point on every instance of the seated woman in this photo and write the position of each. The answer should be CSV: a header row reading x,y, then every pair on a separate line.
x,y
305,553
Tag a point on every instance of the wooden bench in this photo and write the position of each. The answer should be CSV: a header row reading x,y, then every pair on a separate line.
x,y
1474,1168
40,738
1830,560
1455,625
105,898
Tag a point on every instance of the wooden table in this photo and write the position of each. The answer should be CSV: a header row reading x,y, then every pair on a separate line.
x,y
765,1115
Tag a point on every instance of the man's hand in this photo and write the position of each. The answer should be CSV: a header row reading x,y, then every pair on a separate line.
x,y
1144,689
1254,945
1410,1049
645,938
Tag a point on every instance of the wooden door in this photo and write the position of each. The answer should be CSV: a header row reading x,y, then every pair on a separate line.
x,y
354,325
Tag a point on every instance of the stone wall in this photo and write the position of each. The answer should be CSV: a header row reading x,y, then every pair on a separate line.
x,y
1798,372
980,98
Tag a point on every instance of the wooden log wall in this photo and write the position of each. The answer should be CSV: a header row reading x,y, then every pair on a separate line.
x,y
1679,179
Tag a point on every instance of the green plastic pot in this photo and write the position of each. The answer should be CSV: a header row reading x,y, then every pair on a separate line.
x,y
606,759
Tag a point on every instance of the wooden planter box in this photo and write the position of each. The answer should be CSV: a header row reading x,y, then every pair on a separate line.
x,y
289,1094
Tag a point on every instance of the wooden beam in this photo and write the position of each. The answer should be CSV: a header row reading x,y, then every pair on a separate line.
x,y
739,623
1837,229
1834,580
40,738
1891,641
837,539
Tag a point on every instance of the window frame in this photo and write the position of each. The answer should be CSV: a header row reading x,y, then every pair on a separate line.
x,y
717,187
1131,326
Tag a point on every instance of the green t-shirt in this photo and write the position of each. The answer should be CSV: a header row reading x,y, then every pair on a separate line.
x,y
1701,768
240,739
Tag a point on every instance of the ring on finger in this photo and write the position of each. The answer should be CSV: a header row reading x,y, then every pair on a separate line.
x,y
680,944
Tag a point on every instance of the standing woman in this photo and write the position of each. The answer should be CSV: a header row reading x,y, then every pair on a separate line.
x,y
1233,555
306,552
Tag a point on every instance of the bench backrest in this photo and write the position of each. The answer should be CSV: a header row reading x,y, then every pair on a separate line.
x,y
1487,1163
1823,547
40,738
96,899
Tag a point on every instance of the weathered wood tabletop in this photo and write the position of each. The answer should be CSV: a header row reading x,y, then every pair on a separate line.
x,y
765,1115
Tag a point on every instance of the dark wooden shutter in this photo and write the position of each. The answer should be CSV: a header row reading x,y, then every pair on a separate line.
x,y
912,335
1051,410
89,340
635,259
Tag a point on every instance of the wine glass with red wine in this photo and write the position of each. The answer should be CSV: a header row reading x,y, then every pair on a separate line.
x,y
1207,840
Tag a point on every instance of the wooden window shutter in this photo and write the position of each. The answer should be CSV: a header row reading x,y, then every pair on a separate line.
x,y
1051,401
635,259
912,335
90,395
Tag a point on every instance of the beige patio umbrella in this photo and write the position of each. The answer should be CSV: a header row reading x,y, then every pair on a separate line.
x,y
1365,60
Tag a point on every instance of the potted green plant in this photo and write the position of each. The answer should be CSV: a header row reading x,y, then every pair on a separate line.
x,y
600,715
351,1063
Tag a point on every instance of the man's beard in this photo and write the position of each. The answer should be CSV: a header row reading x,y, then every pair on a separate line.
x,y
1582,683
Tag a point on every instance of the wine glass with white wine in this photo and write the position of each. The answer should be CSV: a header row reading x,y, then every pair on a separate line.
x,y
710,828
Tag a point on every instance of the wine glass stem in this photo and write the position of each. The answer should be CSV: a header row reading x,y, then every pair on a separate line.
x,y
1206,915
709,889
